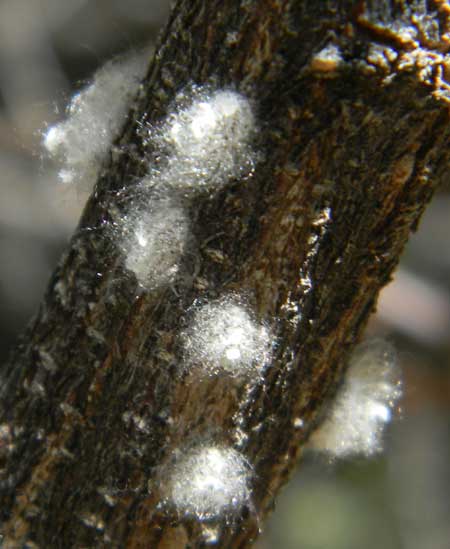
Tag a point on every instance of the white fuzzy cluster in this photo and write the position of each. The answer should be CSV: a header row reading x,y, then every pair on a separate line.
x,y
224,337
94,118
153,241
363,405
201,147
208,142
209,482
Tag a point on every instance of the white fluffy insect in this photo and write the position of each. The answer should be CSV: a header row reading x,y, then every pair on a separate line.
x,y
94,118
153,238
223,336
208,142
208,482
363,405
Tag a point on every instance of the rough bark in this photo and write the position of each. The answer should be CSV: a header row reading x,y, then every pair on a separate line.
x,y
352,146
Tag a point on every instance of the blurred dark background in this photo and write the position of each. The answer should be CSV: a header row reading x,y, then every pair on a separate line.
x,y
48,49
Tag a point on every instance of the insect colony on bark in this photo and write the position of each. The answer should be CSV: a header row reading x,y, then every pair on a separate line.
x,y
206,141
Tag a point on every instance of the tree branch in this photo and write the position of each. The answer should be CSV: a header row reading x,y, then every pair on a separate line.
x,y
101,399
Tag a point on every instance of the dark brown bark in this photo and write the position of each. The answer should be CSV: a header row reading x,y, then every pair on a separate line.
x,y
352,147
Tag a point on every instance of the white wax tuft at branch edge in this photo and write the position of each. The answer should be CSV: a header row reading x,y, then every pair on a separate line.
x,y
363,405
94,118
